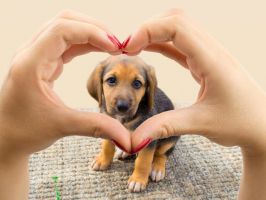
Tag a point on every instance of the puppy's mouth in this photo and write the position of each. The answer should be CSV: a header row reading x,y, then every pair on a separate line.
x,y
122,116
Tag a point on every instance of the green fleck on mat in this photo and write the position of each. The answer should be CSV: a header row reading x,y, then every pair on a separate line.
x,y
57,193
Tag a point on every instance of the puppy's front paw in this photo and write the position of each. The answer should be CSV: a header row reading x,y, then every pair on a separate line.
x,y
158,171
157,174
137,183
100,163
119,154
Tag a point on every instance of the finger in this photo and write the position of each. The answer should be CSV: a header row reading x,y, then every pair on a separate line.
x,y
169,50
77,16
171,123
77,50
70,54
186,36
196,77
153,31
94,125
81,49
65,33
70,15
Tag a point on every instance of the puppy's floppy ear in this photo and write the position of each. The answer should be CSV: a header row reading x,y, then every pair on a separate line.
x,y
94,84
151,85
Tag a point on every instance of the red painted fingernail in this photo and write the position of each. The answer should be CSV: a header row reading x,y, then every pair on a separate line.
x,y
114,40
118,42
126,41
119,146
143,144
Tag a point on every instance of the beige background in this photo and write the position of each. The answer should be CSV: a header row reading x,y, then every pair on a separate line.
x,y
239,25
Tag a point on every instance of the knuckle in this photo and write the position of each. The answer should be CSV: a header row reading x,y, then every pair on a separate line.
x,y
18,63
176,20
146,28
97,132
177,25
59,26
176,17
16,72
165,130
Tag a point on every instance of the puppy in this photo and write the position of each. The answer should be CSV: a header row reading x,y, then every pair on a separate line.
x,y
126,89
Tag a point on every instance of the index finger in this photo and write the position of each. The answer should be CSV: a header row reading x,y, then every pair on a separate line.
x,y
58,38
174,27
65,14
169,50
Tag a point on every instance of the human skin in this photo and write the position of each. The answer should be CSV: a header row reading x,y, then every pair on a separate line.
x,y
230,109
32,117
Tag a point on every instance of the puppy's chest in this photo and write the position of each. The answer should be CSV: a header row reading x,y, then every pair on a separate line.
x,y
130,126
133,124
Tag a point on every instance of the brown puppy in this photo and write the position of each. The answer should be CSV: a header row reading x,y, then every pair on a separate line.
x,y
126,89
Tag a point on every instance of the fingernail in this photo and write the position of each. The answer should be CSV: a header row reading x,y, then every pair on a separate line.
x,y
143,144
118,42
114,40
126,41
119,146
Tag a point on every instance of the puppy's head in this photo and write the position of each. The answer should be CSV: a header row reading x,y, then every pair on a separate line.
x,y
121,83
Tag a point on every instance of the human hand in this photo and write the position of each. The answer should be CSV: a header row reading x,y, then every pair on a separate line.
x,y
32,115
229,103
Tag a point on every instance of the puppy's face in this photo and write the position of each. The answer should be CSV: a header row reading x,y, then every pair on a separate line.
x,y
123,87
122,83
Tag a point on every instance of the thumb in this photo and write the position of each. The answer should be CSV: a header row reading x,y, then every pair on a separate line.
x,y
95,125
170,123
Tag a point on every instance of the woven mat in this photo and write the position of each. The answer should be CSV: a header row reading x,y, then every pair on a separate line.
x,y
197,169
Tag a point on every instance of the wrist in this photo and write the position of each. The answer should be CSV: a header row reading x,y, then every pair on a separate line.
x,y
14,178
254,145
253,181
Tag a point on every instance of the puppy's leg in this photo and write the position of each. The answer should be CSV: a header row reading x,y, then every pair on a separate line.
x,y
159,161
105,157
139,179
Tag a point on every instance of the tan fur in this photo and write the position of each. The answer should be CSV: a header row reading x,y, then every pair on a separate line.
x,y
131,124
142,167
94,84
97,86
158,163
125,77
125,73
159,160
164,147
105,157
152,85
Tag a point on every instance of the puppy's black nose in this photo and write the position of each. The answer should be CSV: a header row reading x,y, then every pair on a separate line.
x,y
122,106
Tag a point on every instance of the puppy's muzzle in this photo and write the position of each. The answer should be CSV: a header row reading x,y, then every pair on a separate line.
x,y
122,106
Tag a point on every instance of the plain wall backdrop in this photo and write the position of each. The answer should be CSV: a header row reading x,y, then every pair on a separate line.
x,y
239,25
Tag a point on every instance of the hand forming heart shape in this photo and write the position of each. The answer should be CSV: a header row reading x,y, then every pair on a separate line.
x,y
29,102
32,117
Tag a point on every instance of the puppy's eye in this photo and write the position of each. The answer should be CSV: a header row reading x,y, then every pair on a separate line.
x,y
111,81
136,84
